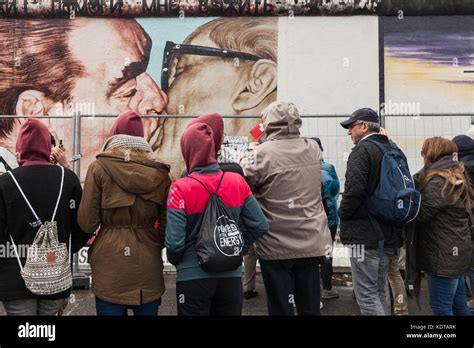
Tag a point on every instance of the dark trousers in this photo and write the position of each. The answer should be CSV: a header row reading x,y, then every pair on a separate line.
x,y
291,284
104,308
326,267
210,296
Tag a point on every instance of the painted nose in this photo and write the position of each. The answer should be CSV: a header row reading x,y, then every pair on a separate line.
x,y
154,100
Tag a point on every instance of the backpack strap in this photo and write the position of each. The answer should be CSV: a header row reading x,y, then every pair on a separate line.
x,y
28,202
378,144
24,197
5,164
218,185
16,253
32,210
60,193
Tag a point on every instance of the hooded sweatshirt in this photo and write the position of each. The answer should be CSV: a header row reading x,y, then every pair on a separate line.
x,y
198,151
187,202
33,143
40,181
216,123
286,179
128,123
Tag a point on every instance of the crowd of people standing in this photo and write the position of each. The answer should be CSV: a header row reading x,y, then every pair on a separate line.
x,y
281,207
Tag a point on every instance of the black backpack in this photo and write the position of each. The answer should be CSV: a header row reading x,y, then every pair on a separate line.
x,y
220,242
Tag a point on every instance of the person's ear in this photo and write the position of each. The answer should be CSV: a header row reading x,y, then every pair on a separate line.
x,y
31,103
260,83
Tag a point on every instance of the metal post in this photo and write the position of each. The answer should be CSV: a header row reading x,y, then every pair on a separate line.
x,y
76,149
78,145
72,162
80,280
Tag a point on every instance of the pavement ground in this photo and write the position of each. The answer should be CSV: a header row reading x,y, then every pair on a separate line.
x,y
83,302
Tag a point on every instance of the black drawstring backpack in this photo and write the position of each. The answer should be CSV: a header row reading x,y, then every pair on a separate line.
x,y
220,242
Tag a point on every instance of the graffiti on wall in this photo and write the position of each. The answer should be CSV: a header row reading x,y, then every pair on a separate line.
x,y
179,8
427,71
429,60
56,67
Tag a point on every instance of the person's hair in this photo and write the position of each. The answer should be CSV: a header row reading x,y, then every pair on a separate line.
x,y
258,36
373,126
34,54
457,186
470,132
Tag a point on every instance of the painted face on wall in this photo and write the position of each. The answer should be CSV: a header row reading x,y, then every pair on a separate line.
x,y
205,77
115,56
234,85
108,76
201,84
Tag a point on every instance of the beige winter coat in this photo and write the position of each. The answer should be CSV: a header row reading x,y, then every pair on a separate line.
x,y
126,197
286,179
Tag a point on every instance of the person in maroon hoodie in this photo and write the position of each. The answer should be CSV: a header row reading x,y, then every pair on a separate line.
x,y
216,123
40,181
125,195
199,292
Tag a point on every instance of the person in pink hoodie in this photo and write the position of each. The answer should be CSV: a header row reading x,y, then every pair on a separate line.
x,y
40,181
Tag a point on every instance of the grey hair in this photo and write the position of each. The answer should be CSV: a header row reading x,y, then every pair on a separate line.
x,y
373,126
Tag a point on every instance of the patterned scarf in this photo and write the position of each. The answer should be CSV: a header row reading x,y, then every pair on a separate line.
x,y
126,141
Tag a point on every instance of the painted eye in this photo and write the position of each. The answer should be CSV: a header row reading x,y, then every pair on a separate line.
x,y
130,93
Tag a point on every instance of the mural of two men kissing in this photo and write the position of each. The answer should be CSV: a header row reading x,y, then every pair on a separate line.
x,y
49,67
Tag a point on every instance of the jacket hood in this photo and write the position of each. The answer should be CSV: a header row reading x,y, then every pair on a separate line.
x,y
216,123
281,120
128,123
444,163
33,143
133,173
465,144
197,146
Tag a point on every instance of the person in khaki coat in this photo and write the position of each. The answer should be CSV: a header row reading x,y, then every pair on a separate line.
x,y
125,197
285,176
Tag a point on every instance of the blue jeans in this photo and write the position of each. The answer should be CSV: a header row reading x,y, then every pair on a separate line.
x,y
369,274
104,308
447,296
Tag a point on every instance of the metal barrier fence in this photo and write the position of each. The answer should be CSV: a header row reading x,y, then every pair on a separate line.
x,y
83,136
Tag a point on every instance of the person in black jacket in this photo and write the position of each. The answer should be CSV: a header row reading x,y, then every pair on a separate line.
x,y
465,146
369,268
40,180
442,226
